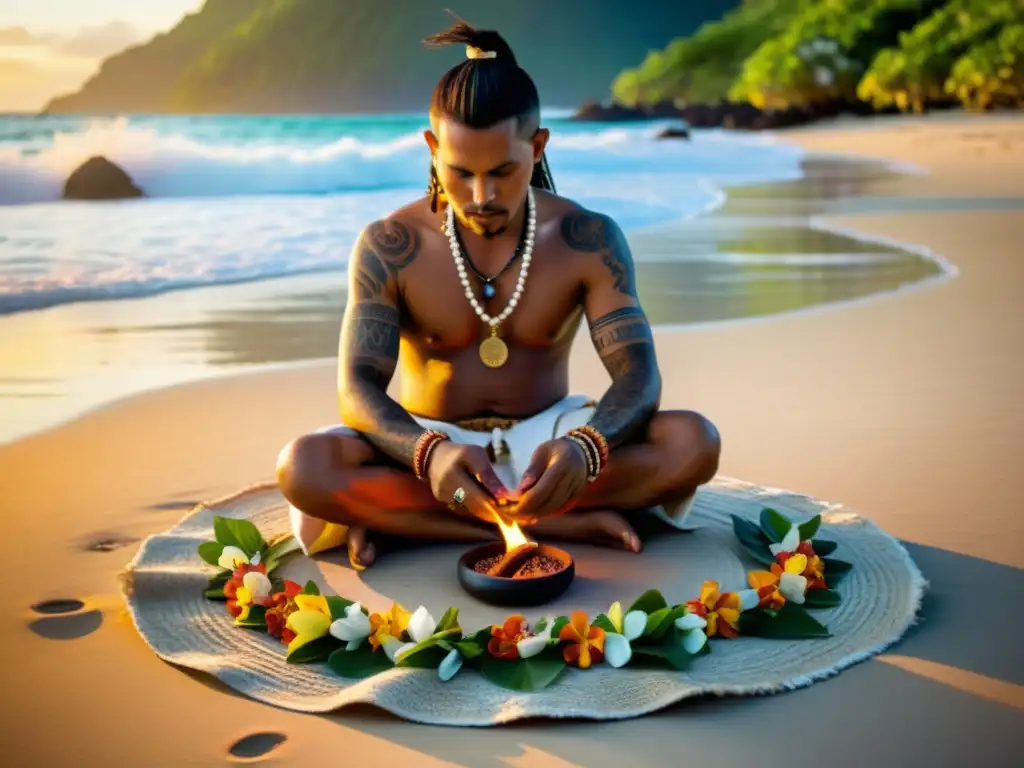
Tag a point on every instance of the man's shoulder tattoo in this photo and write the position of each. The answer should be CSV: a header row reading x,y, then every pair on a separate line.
x,y
590,232
385,248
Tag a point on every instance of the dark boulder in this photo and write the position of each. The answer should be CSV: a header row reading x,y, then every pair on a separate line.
x,y
99,179
674,132
593,111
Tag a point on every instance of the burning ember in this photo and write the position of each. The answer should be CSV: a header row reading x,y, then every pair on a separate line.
x,y
523,558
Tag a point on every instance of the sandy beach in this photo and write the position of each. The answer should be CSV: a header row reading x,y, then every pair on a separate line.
x,y
905,407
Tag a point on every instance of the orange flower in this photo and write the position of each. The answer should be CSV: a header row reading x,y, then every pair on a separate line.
x,y
586,643
504,639
236,580
721,610
815,570
767,586
281,607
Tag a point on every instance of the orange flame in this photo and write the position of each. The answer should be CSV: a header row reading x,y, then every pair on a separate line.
x,y
514,537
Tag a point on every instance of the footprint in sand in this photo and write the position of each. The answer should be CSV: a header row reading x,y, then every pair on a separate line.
x,y
65,619
255,746
108,542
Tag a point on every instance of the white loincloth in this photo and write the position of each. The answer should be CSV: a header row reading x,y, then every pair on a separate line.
x,y
513,448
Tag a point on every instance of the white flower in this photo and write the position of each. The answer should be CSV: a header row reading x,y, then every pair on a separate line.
x,y
789,542
451,664
617,645
793,587
395,648
258,584
421,625
353,628
749,599
692,627
231,557
531,646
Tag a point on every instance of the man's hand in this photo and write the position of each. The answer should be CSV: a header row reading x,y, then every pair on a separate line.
x,y
453,466
557,472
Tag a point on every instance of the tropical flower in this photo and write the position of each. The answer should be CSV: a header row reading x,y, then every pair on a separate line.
x,y
535,642
815,570
693,628
310,621
617,645
721,610
353,628
504,642
231,557
789,542
237,582
387,629
282,605
586,643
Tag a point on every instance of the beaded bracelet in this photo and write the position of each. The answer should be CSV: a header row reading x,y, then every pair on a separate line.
x,y
597,439
589,453
425,445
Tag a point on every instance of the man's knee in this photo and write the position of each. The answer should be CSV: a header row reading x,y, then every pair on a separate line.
x,y
315,459
690,443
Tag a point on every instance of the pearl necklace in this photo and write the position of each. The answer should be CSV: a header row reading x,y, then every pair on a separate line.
x,y
494,351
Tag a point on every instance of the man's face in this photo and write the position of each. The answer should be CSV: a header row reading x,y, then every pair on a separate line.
x,y
484,172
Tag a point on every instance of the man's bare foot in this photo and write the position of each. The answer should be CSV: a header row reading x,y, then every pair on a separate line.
x,y
361,551
595,526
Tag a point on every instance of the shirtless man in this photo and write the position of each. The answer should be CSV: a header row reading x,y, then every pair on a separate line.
x,y
485,346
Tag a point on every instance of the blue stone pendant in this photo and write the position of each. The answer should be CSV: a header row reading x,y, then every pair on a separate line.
x,y
489,291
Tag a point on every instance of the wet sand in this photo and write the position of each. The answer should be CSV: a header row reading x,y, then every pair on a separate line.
x,y
906,408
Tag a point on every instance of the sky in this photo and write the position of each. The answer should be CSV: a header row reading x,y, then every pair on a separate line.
x,y
48,47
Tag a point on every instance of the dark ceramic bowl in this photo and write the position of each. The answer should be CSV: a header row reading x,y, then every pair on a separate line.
x,y
496,590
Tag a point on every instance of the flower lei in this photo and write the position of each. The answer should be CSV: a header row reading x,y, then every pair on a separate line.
x,y
516,654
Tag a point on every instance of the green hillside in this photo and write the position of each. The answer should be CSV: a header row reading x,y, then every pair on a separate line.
x,y
784,54
286,56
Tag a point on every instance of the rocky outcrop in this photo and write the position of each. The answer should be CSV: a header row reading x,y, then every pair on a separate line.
x,y
674,132
99,179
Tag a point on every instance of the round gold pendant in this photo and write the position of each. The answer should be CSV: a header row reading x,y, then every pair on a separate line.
x,y
493,352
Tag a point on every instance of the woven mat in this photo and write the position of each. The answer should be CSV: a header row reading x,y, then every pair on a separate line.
x,y
164,592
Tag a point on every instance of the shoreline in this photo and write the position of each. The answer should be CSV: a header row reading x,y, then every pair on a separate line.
x,y
140,311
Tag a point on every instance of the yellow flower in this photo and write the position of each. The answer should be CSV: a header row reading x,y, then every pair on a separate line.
x,y
388,624
310,622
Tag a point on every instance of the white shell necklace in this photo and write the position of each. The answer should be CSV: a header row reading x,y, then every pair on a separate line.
x,y
494,351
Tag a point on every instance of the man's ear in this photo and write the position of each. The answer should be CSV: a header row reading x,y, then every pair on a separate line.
x,y
540,141
431,139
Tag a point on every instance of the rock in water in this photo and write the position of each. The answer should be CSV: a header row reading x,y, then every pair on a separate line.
x,y
674,132
99,179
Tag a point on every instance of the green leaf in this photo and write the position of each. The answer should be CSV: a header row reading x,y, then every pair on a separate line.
x,y
418,656
360,663
526,675
450,620
822,598
317,650
809,528
650,601
560,622
823,547
219,579
671,651
238,533
774,525
604,623
337,605
753,540
215,593
468,649
311,588
659,622
210,551
791,622
273,555
256,618
835,571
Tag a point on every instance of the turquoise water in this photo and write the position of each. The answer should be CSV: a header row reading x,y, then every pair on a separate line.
x,y
235,199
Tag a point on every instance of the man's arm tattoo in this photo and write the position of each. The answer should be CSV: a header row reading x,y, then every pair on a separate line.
x,y
621,337
597,233
370,341
625,344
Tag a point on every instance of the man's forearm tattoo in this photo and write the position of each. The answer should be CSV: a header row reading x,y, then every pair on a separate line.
x,y
622,337
371,336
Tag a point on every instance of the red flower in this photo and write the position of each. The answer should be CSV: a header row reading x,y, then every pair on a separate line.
x,y
232,585
504,638
282,605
